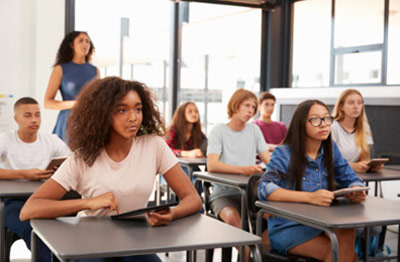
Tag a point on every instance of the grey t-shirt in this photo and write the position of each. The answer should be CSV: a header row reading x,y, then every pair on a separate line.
x,y
346,142
238,148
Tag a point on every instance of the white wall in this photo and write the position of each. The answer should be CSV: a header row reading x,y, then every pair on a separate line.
x,y
31,33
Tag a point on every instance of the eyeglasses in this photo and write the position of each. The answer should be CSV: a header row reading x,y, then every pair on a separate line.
x,y
317,121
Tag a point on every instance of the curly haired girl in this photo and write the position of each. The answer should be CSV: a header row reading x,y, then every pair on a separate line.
x,y
115,132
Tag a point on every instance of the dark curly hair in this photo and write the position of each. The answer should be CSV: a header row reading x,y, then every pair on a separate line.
x,y
66,53
90,123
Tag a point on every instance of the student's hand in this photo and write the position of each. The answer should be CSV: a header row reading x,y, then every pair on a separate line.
x,y
356,197
360,166
322,197
271,147
160,217
194,153
249,170
106,200
36,174
377,169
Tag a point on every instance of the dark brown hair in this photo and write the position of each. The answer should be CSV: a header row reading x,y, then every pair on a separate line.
x,y
65,52
296,140
89,125
179,125
25,101
266,95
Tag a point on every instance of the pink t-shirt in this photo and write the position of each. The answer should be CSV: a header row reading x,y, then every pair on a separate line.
x,y
131,180
274,132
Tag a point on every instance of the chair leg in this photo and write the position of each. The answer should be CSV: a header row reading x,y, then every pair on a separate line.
x,y
209,255
227,254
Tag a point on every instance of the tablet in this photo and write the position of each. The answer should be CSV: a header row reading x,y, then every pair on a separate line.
x,y
139,214
344,191
57,161
377,161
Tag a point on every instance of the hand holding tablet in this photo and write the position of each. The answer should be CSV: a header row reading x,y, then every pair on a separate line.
x,y
55,163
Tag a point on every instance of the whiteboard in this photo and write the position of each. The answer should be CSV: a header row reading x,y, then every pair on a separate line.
x,y
6,112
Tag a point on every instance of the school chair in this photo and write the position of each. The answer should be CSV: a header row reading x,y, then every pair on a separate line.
x,y
268,254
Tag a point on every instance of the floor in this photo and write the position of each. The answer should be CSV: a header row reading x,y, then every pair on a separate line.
x,y
19,252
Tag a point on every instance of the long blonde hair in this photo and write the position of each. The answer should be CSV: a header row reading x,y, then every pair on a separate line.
x,y
361,125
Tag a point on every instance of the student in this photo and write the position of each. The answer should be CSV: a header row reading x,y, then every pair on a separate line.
x,y
351,131
352,134
303,169
71,72
232,148
184,135
25,154
274,132
115,133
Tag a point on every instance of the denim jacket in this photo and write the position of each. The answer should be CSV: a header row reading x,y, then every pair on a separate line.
x,y
316,172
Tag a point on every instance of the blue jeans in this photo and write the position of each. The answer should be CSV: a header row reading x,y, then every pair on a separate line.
x,y
23,229
138,258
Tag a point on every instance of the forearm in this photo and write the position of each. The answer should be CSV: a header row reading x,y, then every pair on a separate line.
x,y
286,195
188,205
48,208
58,105
11,174
221,167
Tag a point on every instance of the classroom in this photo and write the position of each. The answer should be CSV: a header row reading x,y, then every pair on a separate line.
x,y
202,60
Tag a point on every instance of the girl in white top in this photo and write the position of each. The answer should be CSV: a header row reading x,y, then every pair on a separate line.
x,y
115,132
351,131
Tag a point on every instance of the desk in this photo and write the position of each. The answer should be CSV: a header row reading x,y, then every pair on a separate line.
x,y
394,167
371,212
385,175
231,180
78,238
190,162
12,189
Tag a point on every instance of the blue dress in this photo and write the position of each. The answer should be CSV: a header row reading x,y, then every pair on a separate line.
x,y
285,234
75,76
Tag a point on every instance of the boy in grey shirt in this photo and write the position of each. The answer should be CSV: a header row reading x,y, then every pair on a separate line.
x,y
232,148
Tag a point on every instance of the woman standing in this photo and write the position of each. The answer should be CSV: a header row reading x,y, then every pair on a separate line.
x,y
71,72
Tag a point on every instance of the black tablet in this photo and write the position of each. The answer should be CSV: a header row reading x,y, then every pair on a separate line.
x,y
141,213
377,161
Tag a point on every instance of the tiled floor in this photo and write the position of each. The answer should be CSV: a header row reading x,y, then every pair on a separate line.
x,y
19,252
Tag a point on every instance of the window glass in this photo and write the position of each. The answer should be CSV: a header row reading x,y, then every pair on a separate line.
x,y
393,76
145,50
358,22
358,68
311,43
217,60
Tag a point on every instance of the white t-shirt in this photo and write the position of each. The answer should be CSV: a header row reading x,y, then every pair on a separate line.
x,y
346,142
130,180
16,154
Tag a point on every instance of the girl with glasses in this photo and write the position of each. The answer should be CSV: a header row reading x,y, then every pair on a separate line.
x,y
351,131
303,169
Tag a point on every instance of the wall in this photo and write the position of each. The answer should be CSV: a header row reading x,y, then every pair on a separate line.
x,y
32,31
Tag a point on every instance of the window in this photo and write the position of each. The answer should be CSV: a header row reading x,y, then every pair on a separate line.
x,y
393,76
217,61
311,43
145,50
